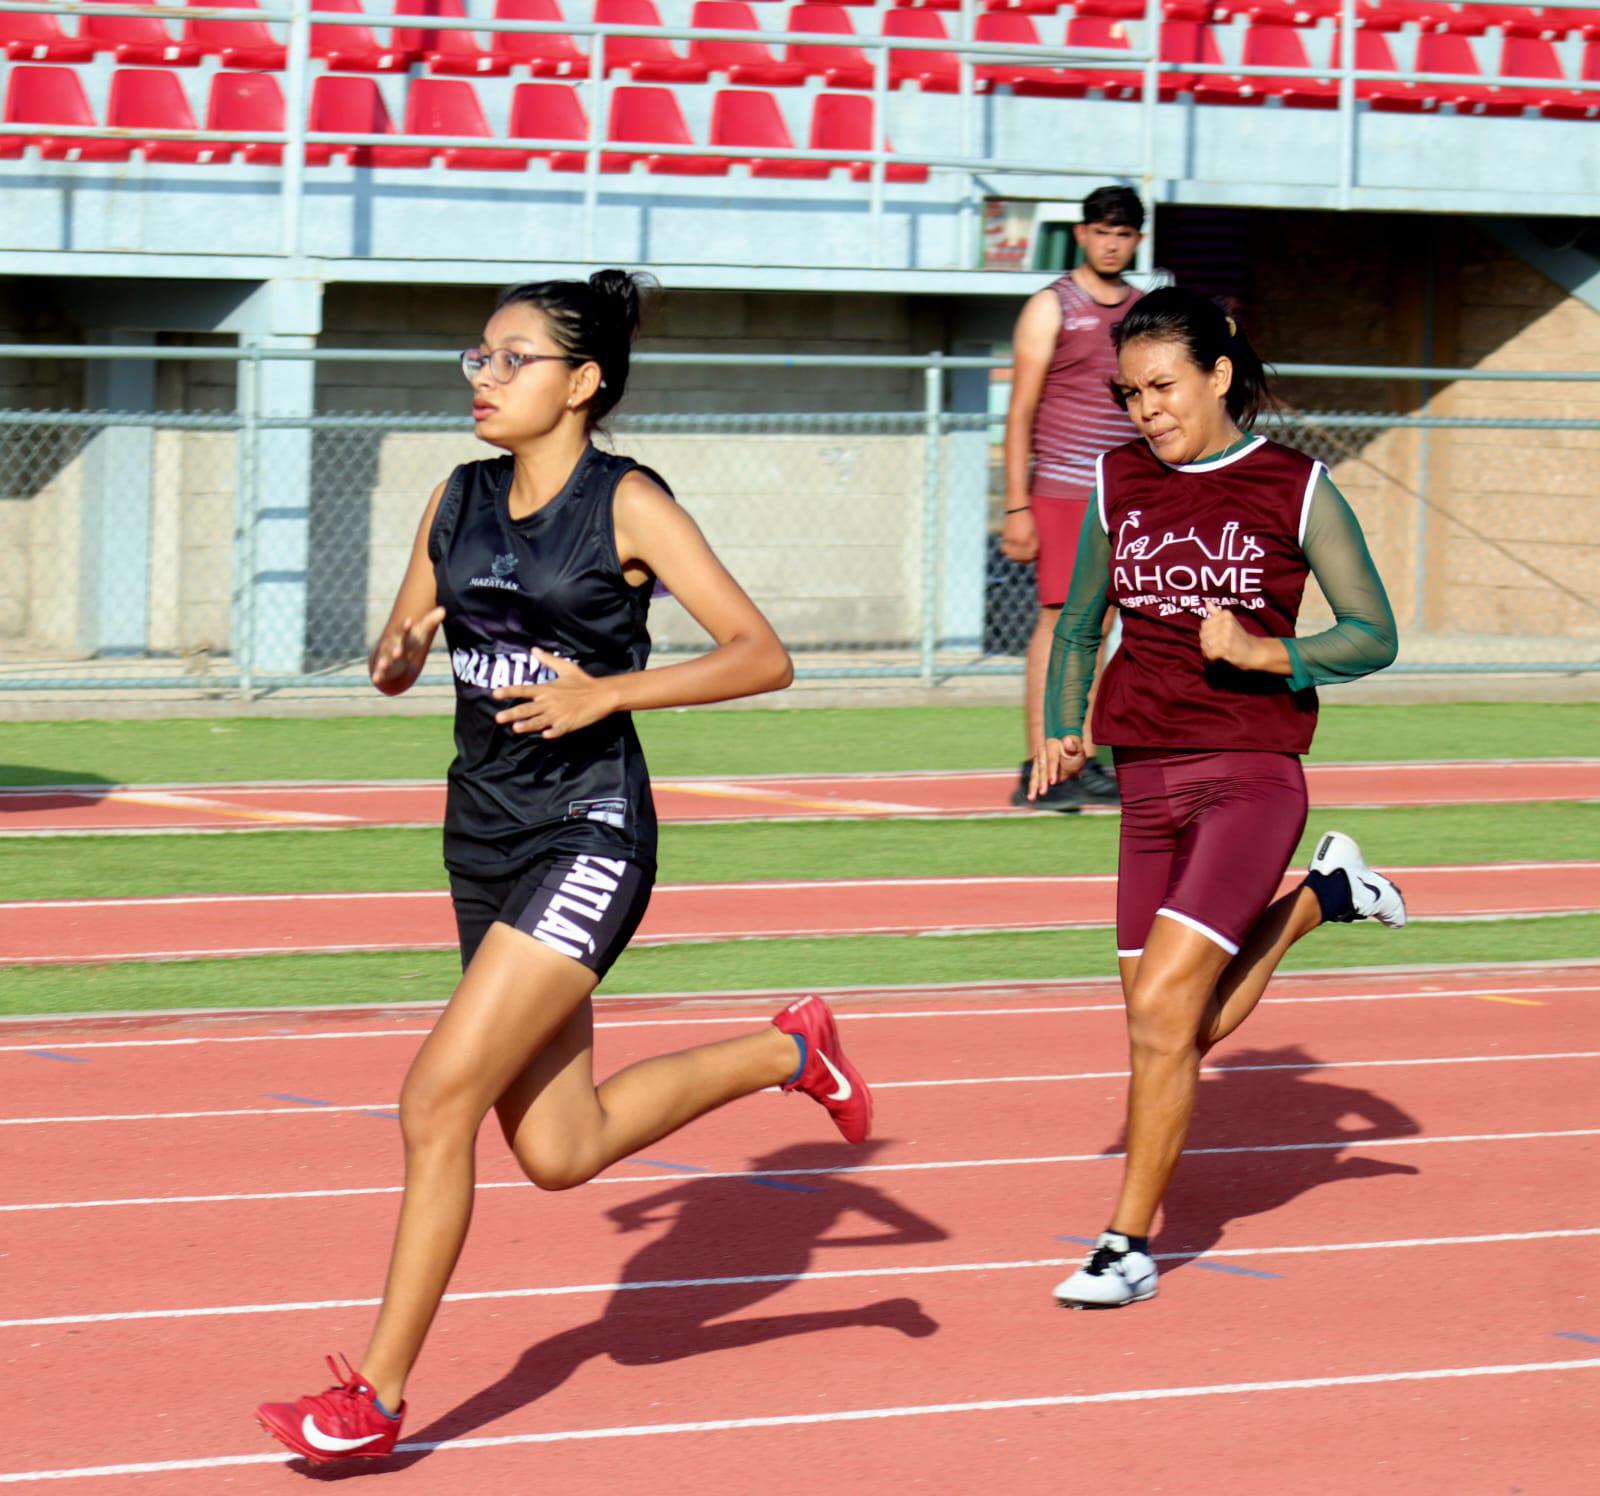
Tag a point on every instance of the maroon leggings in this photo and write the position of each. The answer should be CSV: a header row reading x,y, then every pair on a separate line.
x,y
1206,837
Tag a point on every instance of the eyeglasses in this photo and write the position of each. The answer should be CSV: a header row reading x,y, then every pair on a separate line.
x,y
503,363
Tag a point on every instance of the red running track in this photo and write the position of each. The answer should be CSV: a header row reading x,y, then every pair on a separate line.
x,y
84,809
56,931
1321,1322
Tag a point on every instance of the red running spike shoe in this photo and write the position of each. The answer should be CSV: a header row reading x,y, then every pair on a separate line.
x,y
340,1424
827,1075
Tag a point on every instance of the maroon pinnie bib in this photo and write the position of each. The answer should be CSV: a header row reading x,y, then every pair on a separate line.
x,y
1226,532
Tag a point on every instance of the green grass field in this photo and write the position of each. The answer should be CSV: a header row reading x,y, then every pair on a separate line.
x,y
811,740
725,743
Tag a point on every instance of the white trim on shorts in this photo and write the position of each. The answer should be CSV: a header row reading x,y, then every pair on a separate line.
x,y
1100,492
1123,955
1206,930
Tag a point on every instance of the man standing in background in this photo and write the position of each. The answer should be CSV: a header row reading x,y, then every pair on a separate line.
x,y
1060,419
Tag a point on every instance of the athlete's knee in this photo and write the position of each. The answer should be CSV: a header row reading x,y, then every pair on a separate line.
x,y
1158,1027
554,1167
435,1109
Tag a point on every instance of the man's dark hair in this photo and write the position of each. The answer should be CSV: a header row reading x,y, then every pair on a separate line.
x,y
1119,207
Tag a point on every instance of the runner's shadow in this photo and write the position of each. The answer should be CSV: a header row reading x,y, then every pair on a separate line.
x,y
33,788
740,1242
1270,1095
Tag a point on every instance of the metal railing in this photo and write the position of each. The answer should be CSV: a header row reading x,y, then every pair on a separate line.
x,y
257,550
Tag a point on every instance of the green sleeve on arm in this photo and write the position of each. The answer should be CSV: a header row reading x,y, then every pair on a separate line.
x,y
1076,645
1363,638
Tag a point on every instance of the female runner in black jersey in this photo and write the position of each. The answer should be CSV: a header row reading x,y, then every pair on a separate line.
x,y
540,565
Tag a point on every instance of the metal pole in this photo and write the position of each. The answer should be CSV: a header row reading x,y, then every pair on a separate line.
x,y
591,160
297,67
880,167
965,252
1419,527
932,437
1347,103
1145,260
246,507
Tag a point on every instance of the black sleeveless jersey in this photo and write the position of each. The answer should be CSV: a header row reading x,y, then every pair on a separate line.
x,y
551,581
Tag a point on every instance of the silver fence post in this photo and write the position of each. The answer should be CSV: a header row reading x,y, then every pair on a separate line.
x,y
1347,103
245,507
880,166
1146,254
932,438
298,67
967,253
591,157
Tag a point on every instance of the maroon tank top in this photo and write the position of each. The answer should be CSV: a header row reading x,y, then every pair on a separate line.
x,y
1076,420
1228,532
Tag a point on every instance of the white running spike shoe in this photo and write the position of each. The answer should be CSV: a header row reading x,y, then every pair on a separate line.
x,y
1113,1276
1372,896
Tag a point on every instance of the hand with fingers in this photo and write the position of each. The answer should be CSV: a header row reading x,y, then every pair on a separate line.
x,y
1223,638
552,708
1055,760
1019,536
399,656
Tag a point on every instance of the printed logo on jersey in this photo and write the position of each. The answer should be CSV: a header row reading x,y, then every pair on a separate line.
x,y
504,569
1185,572
610,812
516,667
573,916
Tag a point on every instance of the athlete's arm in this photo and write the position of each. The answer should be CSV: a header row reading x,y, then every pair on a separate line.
x,y
656,537
1033,345
1074,651
402,648
1363,638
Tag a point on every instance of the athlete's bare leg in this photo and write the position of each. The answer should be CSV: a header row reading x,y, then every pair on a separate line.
x,y
509,1035
1184,994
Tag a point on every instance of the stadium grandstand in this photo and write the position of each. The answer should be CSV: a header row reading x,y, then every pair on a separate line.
x,y
287,215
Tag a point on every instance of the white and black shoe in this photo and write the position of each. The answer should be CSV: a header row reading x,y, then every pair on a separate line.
x,y
1348,889
1113,1276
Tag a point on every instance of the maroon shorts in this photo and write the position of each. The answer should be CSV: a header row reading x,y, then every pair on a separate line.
x,y
1206,837
1059,522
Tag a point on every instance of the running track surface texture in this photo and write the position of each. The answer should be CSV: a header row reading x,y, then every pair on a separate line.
x,y
59,931
1378,1257
133,808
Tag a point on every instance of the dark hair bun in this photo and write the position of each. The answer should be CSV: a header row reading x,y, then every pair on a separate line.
x,y
619,293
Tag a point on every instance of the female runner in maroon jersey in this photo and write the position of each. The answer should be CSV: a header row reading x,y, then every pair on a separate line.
x,y
1202,536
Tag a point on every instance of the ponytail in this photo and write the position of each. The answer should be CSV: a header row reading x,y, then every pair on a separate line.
x,y
592,321
1207,333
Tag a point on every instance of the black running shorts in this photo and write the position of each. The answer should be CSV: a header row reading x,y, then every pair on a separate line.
x,y
580,904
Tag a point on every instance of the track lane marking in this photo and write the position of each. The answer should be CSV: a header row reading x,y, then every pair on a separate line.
x,y
850,1415
822,1275
308,1107
1361,1141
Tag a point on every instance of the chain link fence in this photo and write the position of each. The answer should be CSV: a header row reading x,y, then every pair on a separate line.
x,y
247,552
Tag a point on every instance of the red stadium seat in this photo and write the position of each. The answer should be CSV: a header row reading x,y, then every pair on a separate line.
x,y
453,51
1027,7
1270,45
1133,10
1578,105
1391,15
649,59
1447,52
354,106
932,72
27,37
1529,57
1290,12
553,111
354,49
741,62
1010,29
1101,31
1373,54
838,67
843,122
754,122
449,106
929,4
1187,42
138,39
248,101
548,55
652,116
153,99
240,44
55,96
1587,21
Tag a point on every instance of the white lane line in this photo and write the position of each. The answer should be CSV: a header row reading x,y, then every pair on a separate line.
x,y
1361,1141
849,1415
790,885
568,1290
321,1110
1499,990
